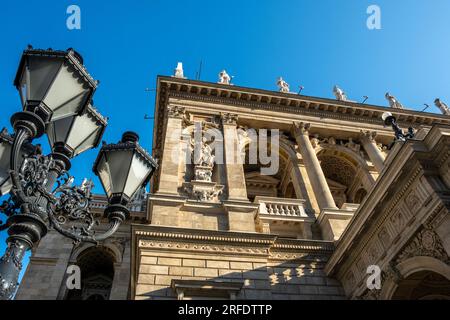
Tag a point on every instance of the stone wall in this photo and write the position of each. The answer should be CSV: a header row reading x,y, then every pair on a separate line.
x,y
278,273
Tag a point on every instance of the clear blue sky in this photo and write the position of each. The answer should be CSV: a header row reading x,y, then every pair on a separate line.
x,y
126,44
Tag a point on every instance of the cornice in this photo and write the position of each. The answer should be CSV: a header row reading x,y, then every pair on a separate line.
x,y
162,232
158,234
245,96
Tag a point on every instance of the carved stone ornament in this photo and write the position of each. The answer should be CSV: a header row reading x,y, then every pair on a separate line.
x,y
202,188
301,127
229,118
203,191
426,243
176,111
315,141
368,135
412,201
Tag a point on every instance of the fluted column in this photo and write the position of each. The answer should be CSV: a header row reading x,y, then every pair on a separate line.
x,y
312,164
375,155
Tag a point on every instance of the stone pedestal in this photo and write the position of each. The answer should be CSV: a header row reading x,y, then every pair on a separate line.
x,y
332,222
203,190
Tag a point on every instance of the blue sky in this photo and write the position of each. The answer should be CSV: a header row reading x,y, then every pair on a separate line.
x,y
316,44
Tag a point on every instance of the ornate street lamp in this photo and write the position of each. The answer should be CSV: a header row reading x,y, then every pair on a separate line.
x,y
53,84
390,120
56,93
6,142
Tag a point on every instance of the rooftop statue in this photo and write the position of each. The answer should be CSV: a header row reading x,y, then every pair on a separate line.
x,y
282,85
179,71
442,106
86,186
339,94
393,102
224,77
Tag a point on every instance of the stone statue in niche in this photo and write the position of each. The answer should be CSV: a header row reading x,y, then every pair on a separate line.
x,y
224,77
393,102
201,187
283,86
206,156
339,94
203,160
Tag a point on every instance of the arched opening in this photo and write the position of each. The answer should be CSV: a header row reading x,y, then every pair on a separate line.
x,y
290,191
97,273
277,184
346,174
423,285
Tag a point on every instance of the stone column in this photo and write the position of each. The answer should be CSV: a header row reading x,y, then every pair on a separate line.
x,y
234,167
312,164
241,213
168,181
375,155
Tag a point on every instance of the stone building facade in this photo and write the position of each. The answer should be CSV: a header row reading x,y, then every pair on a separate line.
x,y
340,200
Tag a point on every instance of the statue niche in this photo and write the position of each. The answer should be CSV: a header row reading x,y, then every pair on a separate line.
x,y
201,187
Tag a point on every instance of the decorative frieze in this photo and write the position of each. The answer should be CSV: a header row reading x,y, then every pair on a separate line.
x,y
203,247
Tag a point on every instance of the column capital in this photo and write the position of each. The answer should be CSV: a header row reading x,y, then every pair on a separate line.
x,y
369,135
229,118
301,128
176,111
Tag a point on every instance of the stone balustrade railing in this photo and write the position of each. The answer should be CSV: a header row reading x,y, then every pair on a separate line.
x,y
281,207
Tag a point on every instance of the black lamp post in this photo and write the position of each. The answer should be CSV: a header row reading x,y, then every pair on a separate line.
x,y
56,93
390,120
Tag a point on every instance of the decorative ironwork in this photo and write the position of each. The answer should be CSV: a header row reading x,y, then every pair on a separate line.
x,y
42,194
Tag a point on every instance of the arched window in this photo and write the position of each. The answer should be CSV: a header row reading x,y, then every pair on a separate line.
x,y
97,273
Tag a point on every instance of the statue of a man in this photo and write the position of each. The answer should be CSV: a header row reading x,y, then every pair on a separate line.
x,y
224,77
179,71
393,102
442,106
339,94
282,85
207,158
